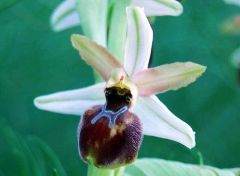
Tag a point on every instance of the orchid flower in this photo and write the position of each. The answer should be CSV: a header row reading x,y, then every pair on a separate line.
x,y
66,16
157,120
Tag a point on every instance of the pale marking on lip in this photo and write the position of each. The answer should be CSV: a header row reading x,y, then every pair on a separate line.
x,y
112,116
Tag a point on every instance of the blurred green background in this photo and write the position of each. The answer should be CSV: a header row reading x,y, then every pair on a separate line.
x,y
35,61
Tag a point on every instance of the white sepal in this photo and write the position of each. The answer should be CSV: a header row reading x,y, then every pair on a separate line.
x,y
65,16
158,121
139,41
73,102
160,7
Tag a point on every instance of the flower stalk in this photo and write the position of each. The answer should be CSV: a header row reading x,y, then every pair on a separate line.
x,y
94,171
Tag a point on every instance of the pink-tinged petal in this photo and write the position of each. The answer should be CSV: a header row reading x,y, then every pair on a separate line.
x,y
95,55
167,77
73,102
160,7
65,16
139,41
158,121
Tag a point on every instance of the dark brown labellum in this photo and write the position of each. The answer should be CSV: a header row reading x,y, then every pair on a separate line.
x,y
106,146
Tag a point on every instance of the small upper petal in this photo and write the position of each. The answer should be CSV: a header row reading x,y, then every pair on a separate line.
x,y
158,121
160,7
167,77
139,41
73,102
65,16
95,55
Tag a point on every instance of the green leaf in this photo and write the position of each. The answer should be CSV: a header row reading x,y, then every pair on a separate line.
x,y
28,156
5,4
118,29
16,149
158,167
49,155
93,15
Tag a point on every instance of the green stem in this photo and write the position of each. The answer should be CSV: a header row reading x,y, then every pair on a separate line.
x,y
119,171
94,171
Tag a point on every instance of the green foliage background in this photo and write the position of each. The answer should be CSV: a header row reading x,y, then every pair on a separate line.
x,y
34,61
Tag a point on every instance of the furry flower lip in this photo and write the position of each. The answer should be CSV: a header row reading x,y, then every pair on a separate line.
x,y
110,135
145,111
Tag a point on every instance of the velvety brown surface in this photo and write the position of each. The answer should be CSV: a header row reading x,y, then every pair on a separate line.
x,y
109,147
116,98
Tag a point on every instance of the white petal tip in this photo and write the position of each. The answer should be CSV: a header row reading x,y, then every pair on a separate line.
x,y
193,71
39,102
36,102
160,7
159,122
77,41
74,38
192,143
64,16
200,69
167,77
73,102
179,10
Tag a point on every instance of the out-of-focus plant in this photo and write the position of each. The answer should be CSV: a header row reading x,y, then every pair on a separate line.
x,y
232,27
235,2
105,21
26,156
